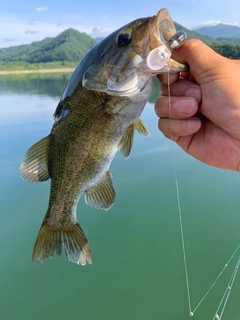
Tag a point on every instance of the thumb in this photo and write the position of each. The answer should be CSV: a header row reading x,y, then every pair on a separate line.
x,y
200,58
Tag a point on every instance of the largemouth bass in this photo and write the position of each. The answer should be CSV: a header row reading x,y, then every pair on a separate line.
x,y
97,115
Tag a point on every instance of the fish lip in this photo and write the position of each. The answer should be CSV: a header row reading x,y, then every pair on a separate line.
x,y
161,30
164,25
175,66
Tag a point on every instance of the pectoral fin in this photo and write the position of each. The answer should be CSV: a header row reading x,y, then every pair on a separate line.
x,y
34,166
102,195
141,128
126,142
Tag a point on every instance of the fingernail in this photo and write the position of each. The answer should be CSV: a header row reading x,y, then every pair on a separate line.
x,y
193,124
186,105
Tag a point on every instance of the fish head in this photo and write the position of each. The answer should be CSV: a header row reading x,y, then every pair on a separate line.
x,y
120,66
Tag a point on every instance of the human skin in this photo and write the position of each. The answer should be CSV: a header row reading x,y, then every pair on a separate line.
x,y
204,106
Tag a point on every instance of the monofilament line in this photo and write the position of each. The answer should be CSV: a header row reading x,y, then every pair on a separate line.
x,y
215,281
179,205
224,300
222,305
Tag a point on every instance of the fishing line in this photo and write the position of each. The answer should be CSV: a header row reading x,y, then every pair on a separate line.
x,y
178,200
157,59
224,300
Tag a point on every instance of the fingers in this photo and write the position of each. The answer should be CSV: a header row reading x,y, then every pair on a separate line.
x,y
177,113
176,107
168,78
200,58
183,88
175,129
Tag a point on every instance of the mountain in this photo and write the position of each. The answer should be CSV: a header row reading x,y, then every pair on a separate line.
x,y
191,34
220,31
209,40
70,46
228,41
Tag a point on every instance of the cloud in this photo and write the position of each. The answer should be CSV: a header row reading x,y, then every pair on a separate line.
x,y
212,23
31,32
41,9
98,32
32,20
10,39
235,23
209,23
97,29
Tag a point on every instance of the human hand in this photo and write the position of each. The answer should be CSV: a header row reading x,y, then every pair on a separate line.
x,y
205,106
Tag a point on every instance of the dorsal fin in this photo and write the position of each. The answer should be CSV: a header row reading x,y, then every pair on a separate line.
x,y
34,166
101,195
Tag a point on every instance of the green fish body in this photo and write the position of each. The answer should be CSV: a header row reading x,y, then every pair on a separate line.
x,y
97,115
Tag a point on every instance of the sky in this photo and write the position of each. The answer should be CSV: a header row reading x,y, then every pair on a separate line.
x,y
22,22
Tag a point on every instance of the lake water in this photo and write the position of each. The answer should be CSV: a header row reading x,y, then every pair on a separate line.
x,y
137,271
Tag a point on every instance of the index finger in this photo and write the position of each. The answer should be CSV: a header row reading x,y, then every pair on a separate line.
x,y
168,78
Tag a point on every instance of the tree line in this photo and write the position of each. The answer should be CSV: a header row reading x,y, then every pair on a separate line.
x,y
227,50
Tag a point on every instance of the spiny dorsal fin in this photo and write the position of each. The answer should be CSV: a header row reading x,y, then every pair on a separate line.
x,y
141,128
126,142
34,166
102,195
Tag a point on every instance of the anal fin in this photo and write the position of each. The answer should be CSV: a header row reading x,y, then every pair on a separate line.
x,y
102,195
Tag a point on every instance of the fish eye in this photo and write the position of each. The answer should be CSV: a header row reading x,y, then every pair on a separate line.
x,y
124,39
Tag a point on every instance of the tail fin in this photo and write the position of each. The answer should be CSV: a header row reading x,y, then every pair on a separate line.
x,y
50,241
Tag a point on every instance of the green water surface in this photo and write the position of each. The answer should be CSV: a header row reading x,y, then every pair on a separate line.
x,y
137,271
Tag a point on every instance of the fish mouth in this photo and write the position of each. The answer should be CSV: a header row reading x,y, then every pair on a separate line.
x,y
162,30
176,67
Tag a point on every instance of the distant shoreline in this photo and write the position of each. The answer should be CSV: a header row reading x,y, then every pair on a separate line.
x,y
5,72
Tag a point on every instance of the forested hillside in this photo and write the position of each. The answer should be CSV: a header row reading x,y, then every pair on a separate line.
x,y
70,46
220,30
227,47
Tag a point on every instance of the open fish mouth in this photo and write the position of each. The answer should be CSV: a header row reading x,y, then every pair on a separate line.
x,y
165,37
160,40
123,68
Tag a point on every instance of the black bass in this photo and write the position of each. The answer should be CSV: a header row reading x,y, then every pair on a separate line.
x,y
96,116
